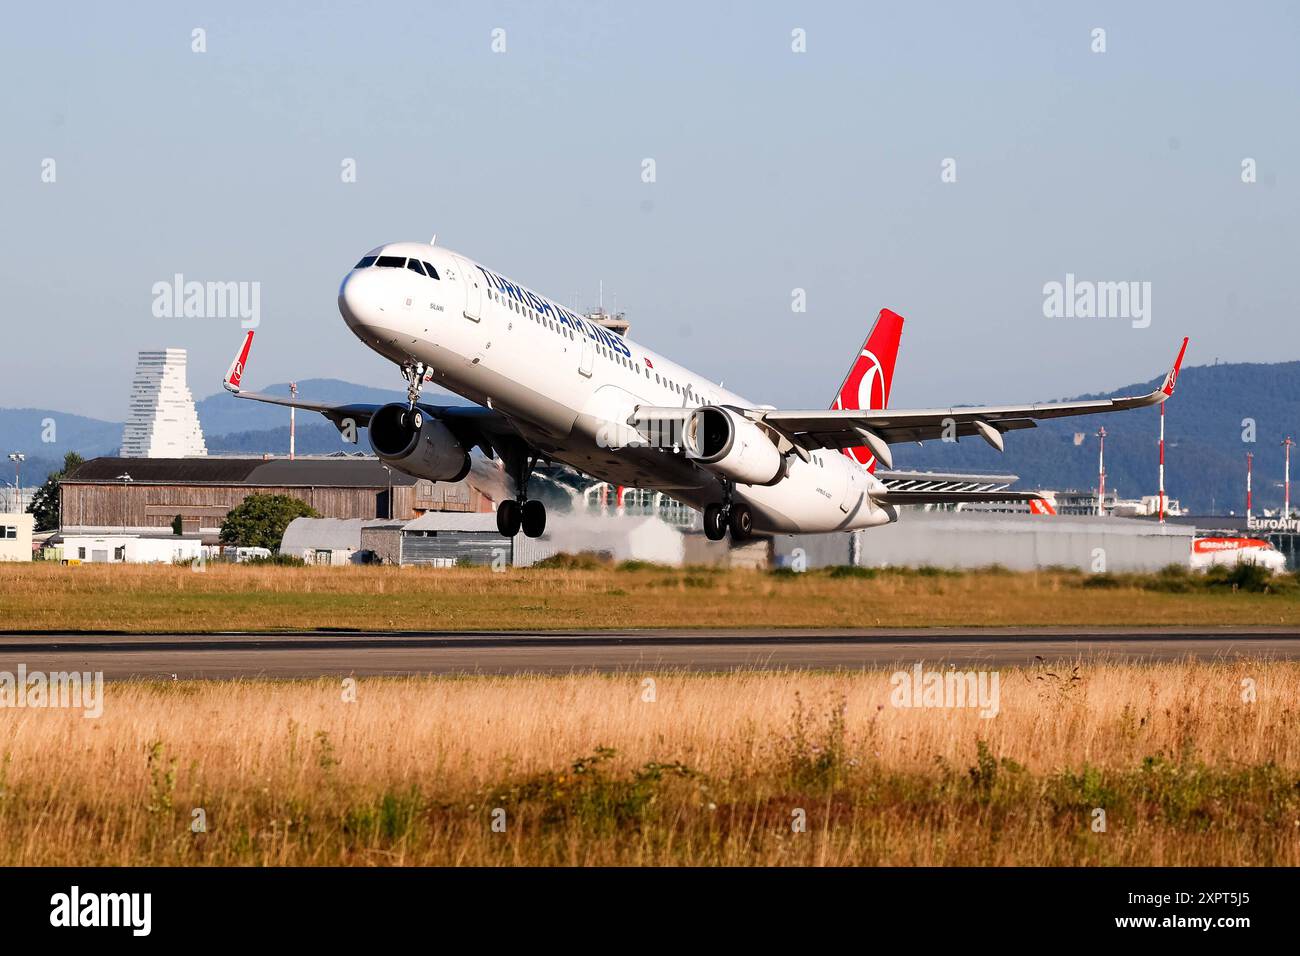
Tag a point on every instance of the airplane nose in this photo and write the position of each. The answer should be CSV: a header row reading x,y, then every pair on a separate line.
x,y
359,300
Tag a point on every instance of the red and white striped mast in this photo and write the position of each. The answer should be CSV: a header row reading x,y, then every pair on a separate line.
x,y
1288,444
1250,458
1162,462
1101,473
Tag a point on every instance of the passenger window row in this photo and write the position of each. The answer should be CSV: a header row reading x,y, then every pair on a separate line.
x,y
687,391
399,262
529,313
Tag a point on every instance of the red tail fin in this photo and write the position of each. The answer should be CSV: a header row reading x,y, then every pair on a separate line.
x,y
871,375
235,376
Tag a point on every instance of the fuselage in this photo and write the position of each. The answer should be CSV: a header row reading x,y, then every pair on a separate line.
x,y
569,384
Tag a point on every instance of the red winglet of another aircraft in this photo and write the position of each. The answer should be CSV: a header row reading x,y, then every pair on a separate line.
x,y
1172,378
236,373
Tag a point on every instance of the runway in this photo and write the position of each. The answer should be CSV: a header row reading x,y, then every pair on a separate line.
x,y
335,653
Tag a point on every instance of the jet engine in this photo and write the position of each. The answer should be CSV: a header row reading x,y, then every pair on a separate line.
x,y
732,445
417,444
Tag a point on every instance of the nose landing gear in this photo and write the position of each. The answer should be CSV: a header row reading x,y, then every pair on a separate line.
x,y
414,373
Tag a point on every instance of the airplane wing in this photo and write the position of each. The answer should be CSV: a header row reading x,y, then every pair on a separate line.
x,y
473,424
848,428
806,431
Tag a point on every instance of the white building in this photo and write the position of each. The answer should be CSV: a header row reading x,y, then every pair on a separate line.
x,y
163,422
128,549
16,537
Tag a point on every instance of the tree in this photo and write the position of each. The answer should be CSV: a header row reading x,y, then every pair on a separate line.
x,y
259,520
45,503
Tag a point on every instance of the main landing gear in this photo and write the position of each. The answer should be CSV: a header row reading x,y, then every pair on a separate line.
x,y
735,516
522,513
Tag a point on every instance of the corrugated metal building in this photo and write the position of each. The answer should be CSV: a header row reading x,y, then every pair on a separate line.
x,y
446,539
964,539
146,494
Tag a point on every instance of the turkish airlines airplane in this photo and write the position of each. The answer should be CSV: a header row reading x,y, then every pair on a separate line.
x,y
551,385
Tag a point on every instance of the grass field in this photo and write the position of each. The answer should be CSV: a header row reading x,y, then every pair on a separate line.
x,y
233,597
714,770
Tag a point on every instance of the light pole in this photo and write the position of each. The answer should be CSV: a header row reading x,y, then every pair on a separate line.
x,y
18,458
124,478
293,394
1101,473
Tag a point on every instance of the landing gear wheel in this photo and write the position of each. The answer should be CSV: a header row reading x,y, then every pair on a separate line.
x,y
508,518
715,522
742,522
533,518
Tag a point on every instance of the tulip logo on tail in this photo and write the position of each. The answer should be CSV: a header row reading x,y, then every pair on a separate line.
x,y
866,387
236,373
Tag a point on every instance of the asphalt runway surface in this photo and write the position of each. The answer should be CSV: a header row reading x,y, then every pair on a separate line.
x,y
335,653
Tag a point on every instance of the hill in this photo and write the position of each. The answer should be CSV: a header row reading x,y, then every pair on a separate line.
x,y
45,435
1205,455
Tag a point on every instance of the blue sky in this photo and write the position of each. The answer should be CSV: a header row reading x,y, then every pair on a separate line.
x,y
775,170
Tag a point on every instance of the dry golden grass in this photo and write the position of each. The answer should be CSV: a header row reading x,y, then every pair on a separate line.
x,y
228,597
710,772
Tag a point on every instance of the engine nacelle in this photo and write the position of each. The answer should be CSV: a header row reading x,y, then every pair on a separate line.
x,y
734,446
417,444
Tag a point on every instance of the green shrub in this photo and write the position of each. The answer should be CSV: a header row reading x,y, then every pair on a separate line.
x,y
582,561
279,560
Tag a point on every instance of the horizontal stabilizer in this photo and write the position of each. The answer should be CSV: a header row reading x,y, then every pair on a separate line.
x,y
950,497
898,480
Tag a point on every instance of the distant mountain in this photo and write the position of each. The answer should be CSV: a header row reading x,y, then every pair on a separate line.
x,y
1205,455
309,439
45,435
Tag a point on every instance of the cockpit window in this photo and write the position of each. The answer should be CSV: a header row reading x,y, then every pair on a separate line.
x,y
433,273
414,266
366,263
391,262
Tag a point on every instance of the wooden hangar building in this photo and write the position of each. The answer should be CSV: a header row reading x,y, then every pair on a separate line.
x,y
144,495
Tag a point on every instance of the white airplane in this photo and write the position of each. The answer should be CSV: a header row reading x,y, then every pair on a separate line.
x,y
552,385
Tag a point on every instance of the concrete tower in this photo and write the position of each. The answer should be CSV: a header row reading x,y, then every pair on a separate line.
x,y
163,422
